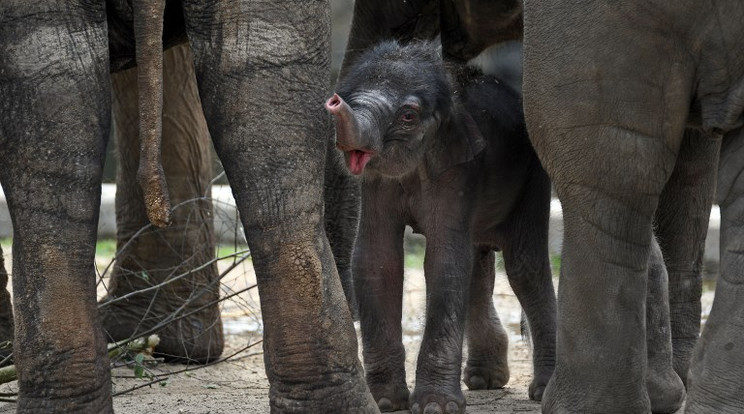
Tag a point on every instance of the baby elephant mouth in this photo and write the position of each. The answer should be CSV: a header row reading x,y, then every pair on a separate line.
x,y
356,160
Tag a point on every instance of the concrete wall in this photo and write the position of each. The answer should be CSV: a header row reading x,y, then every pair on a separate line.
x,y
227,222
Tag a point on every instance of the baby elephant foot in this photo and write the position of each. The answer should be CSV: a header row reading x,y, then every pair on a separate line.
x,y
390,397
540,381
427,400
486,376
665,390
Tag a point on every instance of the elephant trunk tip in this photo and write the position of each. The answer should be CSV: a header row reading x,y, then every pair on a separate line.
x,y
334,104
348,139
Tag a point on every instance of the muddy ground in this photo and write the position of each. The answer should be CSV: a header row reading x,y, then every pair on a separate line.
x,y
239,385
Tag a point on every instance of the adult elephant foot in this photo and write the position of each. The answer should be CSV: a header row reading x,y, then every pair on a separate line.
x,y
197,337
318,337
389,396
488,368
437,400
184,308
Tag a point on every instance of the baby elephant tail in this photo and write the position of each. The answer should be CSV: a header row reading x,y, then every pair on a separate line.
x,y
148,29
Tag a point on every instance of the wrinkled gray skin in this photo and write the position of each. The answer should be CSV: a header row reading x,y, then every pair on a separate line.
x,y
450,158
626,106
254,62
187,245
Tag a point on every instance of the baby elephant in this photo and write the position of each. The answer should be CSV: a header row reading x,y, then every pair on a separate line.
x,y
446,152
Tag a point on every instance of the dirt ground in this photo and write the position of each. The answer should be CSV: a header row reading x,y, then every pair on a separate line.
x,y
239,385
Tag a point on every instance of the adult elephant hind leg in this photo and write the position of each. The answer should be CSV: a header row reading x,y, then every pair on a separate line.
x,y
608,134
263,71
54,117
714,382
665,389
488,344
179,256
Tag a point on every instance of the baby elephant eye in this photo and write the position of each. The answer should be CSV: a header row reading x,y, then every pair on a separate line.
x,y
408,117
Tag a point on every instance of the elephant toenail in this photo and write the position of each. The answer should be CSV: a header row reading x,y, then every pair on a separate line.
x,y
433,408
416,409
452,408
384,404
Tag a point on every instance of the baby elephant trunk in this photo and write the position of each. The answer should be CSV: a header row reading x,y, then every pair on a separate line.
x,y
348,138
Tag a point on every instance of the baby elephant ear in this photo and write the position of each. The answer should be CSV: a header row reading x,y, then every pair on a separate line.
x,y
457,142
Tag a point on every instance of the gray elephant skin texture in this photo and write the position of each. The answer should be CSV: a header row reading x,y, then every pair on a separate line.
x,y
630,106
446,152
262,73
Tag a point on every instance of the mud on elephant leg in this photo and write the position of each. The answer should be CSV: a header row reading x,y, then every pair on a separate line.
x,y
488,343
681,225
55,117
187,246
665,389
714,384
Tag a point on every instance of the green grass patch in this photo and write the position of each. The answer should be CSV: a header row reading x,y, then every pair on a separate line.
x,y
106,248
555,264
228,250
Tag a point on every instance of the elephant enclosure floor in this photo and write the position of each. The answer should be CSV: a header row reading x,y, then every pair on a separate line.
x,y
239,384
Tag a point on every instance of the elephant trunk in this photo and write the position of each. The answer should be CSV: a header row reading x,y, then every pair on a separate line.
x,y
148,28
347,135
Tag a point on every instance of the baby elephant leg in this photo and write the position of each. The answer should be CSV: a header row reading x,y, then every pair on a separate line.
x,y
665,388
527,263
487,340
438,388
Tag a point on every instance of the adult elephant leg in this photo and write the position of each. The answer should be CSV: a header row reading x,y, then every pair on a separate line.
x,y
681,226
714,384
609,142
665,389
54,117
263,71
180,255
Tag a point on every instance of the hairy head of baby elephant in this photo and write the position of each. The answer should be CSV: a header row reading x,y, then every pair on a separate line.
x,y
388,108
443,149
